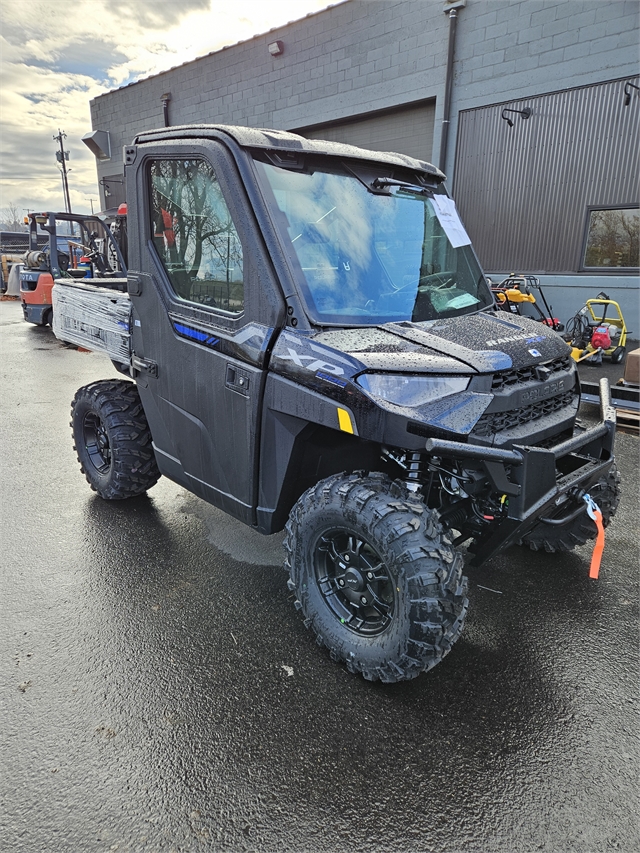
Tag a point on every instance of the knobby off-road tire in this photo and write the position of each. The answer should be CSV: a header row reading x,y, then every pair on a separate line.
x,y
545,537
112,439
376,578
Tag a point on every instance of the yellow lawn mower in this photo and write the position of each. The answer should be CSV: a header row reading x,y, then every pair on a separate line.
x,y
514,294
598,330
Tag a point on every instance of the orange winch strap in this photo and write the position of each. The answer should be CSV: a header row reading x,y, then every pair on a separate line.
x,y
595,515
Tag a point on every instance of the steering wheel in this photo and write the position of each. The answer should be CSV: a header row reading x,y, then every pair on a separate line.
x,y
437,280
63,261
409,280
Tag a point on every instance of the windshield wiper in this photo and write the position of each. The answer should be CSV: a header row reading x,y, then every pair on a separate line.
x,y
381,183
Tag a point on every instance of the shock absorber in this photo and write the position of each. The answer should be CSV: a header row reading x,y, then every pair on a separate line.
x,y
413,479
411,463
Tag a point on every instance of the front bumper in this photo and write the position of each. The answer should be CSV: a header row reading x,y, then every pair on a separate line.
x,y
538,481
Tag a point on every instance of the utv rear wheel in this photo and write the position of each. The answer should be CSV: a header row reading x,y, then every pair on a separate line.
x,y
577,531
112,440
377,580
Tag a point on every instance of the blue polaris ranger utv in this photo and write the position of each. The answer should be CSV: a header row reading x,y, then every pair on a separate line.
x,y
307,341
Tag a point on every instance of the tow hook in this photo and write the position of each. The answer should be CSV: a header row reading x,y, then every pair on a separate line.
x,y
578,497
586,502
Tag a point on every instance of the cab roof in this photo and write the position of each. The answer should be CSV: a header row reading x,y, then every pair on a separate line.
x,y
282,140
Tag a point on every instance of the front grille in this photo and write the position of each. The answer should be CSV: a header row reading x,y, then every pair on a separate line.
x,y
509,378
494,422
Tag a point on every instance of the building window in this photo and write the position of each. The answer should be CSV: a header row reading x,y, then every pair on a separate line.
x,y
612,238
194,234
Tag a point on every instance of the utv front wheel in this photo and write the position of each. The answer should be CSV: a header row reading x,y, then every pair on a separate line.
x,y
112,439
376,578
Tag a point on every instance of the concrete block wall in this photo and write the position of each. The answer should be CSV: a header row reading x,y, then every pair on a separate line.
x,y
353,58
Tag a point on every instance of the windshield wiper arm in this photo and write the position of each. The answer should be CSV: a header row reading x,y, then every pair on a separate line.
x,y
380,183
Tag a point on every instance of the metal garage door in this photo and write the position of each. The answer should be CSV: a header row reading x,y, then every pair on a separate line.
x,y
524,192
408,130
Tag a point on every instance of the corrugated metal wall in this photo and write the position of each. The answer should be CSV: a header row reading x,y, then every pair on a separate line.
x,y
523,191
408,130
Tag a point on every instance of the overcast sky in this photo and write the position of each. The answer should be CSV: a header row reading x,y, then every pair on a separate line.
x,y
56,55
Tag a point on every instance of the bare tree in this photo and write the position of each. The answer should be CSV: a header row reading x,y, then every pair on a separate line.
x,y
629,224
10,218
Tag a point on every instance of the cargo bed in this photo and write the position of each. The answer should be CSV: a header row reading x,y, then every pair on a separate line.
x,y
94,316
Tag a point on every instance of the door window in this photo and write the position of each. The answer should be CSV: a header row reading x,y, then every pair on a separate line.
x,y
194,234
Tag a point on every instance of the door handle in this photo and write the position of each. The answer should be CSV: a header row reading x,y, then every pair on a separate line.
x,y
237,379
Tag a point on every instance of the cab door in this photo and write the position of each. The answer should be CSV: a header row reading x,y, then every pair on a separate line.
x,y
205,307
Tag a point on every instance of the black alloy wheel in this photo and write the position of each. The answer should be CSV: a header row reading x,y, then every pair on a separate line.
x,y
96,442
355,582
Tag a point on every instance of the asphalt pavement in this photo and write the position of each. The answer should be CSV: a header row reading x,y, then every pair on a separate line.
x,y
160,692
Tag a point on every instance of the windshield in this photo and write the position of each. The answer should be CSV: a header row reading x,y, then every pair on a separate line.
x,y
365,258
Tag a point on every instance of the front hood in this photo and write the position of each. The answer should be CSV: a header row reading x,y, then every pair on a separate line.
x,y
383,349
482,343
498,355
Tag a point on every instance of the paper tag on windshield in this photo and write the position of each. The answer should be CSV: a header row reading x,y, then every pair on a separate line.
x,y
448,218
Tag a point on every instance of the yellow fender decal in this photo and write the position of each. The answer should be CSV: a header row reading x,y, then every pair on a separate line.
x,y
344,421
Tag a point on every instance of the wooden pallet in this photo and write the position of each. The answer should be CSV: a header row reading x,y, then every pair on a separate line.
x,y
628,420
624,398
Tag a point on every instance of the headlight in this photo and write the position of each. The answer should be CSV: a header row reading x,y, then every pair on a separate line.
x,y
410,391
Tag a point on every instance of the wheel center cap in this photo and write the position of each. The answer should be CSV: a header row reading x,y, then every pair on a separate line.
x,y
353,579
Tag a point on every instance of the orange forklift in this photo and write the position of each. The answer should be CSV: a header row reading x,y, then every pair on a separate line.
x,y
93,251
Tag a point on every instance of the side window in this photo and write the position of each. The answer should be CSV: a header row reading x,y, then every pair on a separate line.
x,y
194,235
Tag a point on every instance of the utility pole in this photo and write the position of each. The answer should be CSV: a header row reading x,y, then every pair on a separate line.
x,y
62,156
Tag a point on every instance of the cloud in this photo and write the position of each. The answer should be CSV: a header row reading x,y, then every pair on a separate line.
x,y
57,56
159,15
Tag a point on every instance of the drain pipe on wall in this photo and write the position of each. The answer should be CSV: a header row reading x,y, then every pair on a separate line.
x,y
451,9
165,107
